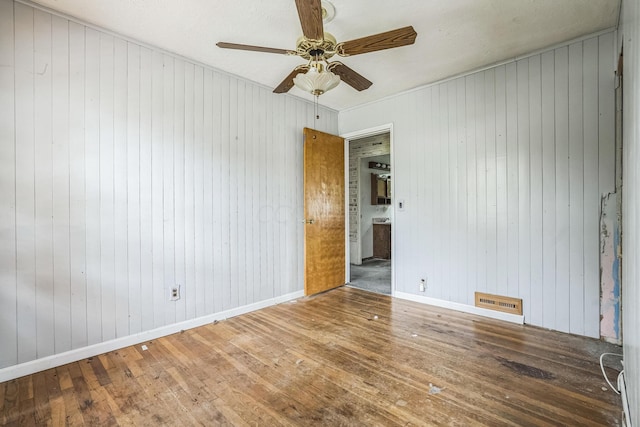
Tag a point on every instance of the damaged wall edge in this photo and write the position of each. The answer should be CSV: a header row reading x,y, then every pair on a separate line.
x,y
610,269
611,237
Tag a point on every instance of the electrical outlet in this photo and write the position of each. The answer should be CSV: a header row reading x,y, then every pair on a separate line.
x,y
174,295
423,285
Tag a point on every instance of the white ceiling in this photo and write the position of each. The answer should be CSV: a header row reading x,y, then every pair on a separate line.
x,y
454,36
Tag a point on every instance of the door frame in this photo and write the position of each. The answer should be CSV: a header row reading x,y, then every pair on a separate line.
x,y
377,130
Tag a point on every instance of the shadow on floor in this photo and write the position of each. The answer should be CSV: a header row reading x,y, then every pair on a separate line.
x,y
373,275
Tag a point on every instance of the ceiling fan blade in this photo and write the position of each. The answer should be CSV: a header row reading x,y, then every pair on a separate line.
x,y
349,76
226,45
390,39
287,83
310,14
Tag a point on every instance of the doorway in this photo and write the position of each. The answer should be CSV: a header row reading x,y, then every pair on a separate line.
x,y
370,208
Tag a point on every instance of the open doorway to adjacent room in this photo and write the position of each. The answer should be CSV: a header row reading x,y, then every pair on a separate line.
x,y
370,213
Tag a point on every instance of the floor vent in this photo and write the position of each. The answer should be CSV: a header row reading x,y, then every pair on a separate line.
x,y
499,303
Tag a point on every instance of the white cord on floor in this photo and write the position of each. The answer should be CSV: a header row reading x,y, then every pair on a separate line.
x,y
615,389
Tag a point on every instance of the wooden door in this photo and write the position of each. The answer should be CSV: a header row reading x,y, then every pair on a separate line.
x,y
324,201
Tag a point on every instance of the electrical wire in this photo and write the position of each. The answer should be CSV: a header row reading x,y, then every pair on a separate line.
x,y
604,374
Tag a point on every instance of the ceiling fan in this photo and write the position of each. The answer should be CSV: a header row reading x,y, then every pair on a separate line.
x,y
319,75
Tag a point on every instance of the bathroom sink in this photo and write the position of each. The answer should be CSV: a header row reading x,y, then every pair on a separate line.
x,y
381,220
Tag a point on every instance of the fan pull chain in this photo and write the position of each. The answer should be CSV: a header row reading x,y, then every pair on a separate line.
x,y
317,116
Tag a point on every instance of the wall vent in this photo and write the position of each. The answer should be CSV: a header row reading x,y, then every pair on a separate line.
x,y
499,303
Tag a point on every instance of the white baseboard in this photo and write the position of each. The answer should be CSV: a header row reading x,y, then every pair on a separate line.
x,y
498,315
70,356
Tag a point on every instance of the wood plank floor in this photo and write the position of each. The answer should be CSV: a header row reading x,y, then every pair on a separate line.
x,y
346,357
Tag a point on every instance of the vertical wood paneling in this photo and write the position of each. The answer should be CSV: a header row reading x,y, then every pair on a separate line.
x,y
265,213
147,91
238,239
92,185
220,197
451,167
178,188
125,171
77,176
481,177
576,191
443,171
512,104
120,198
492,183
269,203
107,193
502,285
208,193
135,172
8,292
61,185
561,119
524,224
257,166
548,192
284,200
471,185
430,119
168,203
197,291
159,296
287,168
512,205
43,166
251,238
279,208
233,190
606,124
535,309
462,231
25,185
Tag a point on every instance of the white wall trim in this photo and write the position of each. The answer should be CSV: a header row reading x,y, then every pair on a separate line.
x,y
498,315
27,368
376,130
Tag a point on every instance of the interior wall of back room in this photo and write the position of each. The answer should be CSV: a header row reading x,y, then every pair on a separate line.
x,y
502,173
368,211
124,171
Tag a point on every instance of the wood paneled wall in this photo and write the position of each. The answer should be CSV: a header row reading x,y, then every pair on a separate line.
x,y
630,41
502,172
124,171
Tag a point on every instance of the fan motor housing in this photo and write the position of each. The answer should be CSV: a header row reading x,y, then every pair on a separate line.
x,y
320,49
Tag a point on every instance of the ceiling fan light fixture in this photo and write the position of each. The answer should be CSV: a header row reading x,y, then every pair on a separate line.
x,y
317,80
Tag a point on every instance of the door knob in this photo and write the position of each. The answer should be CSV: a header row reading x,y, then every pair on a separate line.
x,y
309,221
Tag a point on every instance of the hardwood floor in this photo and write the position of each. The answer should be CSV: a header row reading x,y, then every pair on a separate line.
x,y
346,357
